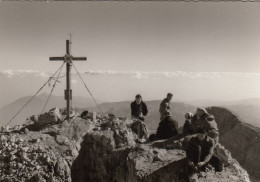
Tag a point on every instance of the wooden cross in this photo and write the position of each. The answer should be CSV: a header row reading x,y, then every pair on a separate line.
x,y
68,58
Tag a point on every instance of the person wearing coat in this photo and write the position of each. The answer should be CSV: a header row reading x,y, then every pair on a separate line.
x,y
187,127
165,107
202,119
138,108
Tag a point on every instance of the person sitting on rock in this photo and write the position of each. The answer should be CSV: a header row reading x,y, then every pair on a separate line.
x,y
167,128
202,119
199,151
187,127
138,108
165,107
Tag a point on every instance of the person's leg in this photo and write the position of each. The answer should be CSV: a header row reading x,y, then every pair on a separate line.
x,y
199,153
196,154
144,131
193,177
216,163
139,129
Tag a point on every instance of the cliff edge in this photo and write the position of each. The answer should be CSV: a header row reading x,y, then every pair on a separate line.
x,y
241,139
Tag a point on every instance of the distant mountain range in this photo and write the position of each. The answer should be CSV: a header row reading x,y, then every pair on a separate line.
x,y
36,107
247,110
208,102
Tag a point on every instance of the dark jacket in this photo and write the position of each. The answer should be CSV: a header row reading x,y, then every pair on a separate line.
x,y
167,129
136,109
206,149
187,127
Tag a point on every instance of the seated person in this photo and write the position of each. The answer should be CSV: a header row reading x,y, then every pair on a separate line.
x,y
199,151
202,119
139,128
187,127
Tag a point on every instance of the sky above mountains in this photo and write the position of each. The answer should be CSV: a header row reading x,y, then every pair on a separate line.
x,y
195,50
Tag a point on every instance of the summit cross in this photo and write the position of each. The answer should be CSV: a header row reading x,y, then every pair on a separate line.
x,y
68,58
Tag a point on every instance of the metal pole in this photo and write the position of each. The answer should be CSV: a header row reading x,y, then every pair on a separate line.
x,y
68,78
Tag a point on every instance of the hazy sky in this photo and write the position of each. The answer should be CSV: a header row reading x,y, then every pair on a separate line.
x,y
195,50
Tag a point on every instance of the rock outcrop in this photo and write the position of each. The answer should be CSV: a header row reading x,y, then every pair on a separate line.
x,y
41,152
241,139
110,153
107,149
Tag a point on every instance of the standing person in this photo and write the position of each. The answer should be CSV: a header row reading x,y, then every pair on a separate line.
x,y
165,107
138,108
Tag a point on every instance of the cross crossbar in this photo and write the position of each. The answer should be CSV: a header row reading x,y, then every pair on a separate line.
x,y
64,58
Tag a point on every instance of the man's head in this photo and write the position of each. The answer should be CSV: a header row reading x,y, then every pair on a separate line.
x,y
169,96
188,115
200,112
201,133
138,98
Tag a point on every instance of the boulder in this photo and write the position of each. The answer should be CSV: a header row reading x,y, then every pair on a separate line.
x,y
53,116
43,120
241,139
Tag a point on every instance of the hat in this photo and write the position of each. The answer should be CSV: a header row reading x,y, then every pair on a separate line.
x,y
188,115
201,111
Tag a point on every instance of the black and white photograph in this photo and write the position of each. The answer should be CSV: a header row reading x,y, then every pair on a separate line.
x,y
130,91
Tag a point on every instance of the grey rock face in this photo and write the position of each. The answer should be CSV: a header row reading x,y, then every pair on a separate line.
x,y
241,139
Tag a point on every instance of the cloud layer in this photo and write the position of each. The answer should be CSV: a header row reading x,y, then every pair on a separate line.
x,y
136,74
173,74
23,73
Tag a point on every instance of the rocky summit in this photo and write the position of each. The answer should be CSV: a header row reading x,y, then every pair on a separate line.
x,y
42,150
106,149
